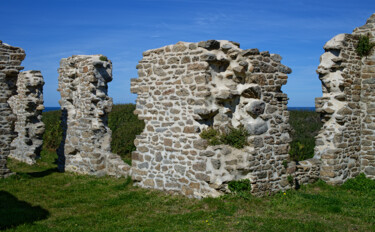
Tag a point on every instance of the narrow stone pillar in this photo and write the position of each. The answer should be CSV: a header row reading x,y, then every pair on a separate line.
x,y
85,147
10,61
367,155
345,143
27,105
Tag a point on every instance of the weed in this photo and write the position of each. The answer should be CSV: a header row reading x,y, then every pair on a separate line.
x,y
364,46
103,58
290,179
236,137
360,183
285,163
237,186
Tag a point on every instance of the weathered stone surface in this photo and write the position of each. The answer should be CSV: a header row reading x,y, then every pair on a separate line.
x,y
220,86
85,147
27,105
346,108
10,61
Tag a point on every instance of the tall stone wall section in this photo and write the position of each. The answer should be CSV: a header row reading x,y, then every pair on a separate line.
x,y
186,88
27,105
85,147
10,65
345,144
367,153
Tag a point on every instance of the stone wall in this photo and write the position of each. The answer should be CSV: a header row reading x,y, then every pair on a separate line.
x,y
367,152
346,142
85,147
10,61
185,88
27,105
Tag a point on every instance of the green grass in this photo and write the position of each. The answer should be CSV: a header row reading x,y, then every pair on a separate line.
x,y
40,199
306,125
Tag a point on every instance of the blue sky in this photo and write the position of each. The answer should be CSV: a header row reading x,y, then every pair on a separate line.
x,y
49,30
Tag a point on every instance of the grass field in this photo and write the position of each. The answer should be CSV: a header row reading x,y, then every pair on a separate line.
x,y
38,198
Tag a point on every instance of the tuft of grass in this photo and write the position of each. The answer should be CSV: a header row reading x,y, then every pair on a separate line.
x,y
103,58
237,186
361,184
364,46
305,125
235,137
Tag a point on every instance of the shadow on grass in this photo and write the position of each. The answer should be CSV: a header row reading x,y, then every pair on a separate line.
x,y
14,212
42,173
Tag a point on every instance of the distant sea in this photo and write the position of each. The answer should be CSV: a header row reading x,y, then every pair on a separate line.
x,y
51,109
289,108
302,108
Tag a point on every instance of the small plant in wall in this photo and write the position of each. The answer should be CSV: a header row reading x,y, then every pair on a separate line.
x,y
103,58
290,179
364,46
235,137
238,186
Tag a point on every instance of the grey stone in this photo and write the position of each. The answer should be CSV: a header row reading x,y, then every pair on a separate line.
x,y
209,44
257,127
256,108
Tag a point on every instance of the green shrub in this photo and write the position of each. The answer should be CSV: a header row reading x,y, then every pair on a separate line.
x,y
53,133
364,46
237,186
360,183
209,133
236,137
125,126
306,125
103,58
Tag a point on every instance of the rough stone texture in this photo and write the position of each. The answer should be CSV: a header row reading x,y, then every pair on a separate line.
x,y
304,172
10,61
27,105
187,87
346,141
85,106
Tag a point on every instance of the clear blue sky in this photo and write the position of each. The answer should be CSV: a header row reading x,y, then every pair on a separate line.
x,y
49,30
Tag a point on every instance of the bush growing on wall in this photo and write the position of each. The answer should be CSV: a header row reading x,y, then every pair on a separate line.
x,y
235,137
364,46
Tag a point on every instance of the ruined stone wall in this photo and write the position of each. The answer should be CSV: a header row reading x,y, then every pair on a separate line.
x,y
367,154
345,142
10,61
185,88
27,105
85,147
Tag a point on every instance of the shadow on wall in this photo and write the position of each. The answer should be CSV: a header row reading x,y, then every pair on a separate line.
x,y
14,212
